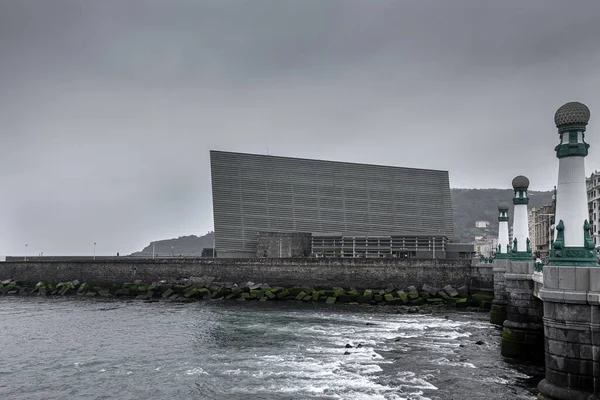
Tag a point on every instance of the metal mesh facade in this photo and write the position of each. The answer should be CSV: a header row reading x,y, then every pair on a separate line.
x,y
253,193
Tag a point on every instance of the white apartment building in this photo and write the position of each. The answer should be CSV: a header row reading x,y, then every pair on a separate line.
x,y
593,196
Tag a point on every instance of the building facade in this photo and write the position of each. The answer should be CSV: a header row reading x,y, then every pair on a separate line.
x,y
541,227
486,246
335,202
593,198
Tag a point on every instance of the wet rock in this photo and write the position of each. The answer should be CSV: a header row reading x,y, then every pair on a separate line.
x,y
359,345
412,292
461,303
300,295
370,324
450,291
330,300
390,289
364,299
203,281
346,353
430,289
418,302
463,291
138,282
167,293
265,286
75,282
348,346
479,342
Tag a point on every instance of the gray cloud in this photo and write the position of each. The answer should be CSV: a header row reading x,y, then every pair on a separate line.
x,y
108,109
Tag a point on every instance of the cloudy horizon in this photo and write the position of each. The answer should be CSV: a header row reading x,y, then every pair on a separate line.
x,y
108,109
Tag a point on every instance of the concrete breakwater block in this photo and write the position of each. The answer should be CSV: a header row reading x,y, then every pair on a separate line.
x,y
208,289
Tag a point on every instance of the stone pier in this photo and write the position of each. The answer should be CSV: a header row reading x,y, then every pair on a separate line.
x,y
523,333
572,333
498,312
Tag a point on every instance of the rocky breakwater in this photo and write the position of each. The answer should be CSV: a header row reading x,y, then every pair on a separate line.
x,y
206,288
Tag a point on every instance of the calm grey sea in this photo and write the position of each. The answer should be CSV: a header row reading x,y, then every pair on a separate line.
x,y
63,348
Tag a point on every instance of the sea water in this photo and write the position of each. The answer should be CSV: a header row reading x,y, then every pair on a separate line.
x,y
60,348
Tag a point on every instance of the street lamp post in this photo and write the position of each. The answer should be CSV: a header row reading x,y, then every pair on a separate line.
x,y
94,250
25,256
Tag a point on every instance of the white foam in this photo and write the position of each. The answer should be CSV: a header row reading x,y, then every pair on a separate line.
x,y
232,371
410,379
196,371
445,361
496,380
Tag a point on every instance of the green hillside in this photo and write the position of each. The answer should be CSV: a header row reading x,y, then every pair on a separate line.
x,y
471,205
191,245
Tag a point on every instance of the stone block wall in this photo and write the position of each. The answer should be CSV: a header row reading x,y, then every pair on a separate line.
x,y
482,277
306,272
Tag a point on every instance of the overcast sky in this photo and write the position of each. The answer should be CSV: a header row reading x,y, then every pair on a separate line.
x,y
108,108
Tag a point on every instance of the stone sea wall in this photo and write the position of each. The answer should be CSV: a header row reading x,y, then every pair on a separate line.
x,y
316,273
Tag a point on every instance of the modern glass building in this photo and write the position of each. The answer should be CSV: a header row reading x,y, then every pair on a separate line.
x,y
350,209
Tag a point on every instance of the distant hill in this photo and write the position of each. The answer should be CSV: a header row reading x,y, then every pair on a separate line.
x,y
191,245
469,206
